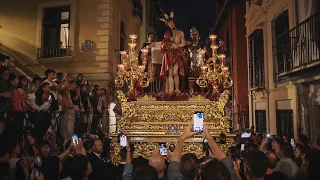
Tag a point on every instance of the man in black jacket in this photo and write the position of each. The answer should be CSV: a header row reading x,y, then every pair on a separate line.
x,y
101,168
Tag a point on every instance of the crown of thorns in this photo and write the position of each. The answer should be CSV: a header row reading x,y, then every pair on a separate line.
x,y
167,18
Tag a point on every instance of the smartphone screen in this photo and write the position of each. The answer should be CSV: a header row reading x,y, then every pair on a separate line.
x,y
268,136
36,172
75,139
292,142
206,146
198,122
123,140
38,160
163,149
242,147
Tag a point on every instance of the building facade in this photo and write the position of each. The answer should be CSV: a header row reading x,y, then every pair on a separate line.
x,y
70,36
73,36
283,58
231,29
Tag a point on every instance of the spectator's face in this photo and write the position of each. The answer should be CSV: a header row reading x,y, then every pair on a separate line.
x,y
98,147
84,88
46,89
25,82
51,75
6,75
45,150
73,85
38,83
297,153
150,37
99,92
17,149
275,145
80,77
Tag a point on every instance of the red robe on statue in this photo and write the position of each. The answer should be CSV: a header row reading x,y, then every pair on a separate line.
x,y
171,56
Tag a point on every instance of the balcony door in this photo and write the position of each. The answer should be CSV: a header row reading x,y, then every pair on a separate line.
x,y
284,123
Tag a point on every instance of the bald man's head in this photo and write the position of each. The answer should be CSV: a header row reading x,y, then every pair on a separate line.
x,y
157,161
272,159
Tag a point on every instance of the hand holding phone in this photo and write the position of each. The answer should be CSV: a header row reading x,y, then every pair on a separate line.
x,y
123,140
242,147
38,160
36,172
292,142
163,149
75,139
198,122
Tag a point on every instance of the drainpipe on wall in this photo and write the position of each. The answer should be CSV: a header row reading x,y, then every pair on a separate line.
x,y
220,14
231,51
252,109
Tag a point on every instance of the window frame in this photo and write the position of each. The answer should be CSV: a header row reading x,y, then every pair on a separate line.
x,y
256,61
261,124
289,117
57,23
281,45
41,7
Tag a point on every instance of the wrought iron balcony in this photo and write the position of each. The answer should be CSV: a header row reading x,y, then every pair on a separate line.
x,y
299,48
54,52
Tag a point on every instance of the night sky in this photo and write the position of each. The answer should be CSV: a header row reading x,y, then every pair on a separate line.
x,y
188,13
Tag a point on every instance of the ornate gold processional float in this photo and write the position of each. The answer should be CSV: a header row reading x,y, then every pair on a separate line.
x,y
152,118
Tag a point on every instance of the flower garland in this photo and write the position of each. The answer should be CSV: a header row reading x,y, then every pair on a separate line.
x,y
175,96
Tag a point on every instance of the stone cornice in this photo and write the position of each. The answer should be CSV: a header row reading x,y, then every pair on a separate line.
x,y
256,14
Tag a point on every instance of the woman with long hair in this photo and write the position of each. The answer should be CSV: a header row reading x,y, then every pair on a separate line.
x,y
20,95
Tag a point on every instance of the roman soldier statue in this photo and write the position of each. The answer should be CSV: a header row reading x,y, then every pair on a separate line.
x,y
194,59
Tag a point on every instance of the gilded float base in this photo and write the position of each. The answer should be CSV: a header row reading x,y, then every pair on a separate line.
x,y
148,122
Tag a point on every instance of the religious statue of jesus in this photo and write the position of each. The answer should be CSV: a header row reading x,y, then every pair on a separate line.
x,y
173,64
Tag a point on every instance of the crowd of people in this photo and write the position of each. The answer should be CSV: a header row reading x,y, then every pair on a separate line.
x,y
37,141
47,109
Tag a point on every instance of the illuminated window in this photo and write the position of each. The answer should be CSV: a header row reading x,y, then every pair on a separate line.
x,y
55,32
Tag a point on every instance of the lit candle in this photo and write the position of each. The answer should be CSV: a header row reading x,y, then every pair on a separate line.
x,y
202,52
204,69
145,52
133,37
213,39
141,68
222,59
214,49
225,69
132,46
123,55
120,67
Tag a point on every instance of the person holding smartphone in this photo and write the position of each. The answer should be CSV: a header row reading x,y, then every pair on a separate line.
x,y
222,159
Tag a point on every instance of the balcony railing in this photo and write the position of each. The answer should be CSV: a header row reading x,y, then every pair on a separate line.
x,y
299,48
54,52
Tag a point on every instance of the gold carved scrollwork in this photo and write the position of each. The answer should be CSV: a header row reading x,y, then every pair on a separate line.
x,y
145,149
146,121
